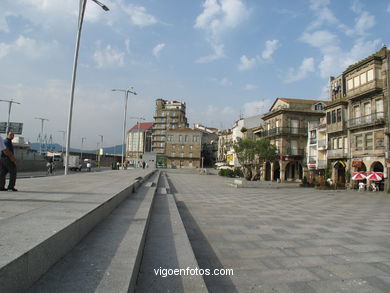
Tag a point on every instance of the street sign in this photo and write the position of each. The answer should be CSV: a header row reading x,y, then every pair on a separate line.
x,y
15,127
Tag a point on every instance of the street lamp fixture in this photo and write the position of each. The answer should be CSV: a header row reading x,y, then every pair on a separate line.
x,y
76,55
130,90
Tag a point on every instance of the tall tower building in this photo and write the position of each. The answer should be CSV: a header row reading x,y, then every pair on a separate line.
x,y
168,115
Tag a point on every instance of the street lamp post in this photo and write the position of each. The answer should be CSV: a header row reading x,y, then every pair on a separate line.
x,y
76,56
102,147
10,102
63,141
124,119
82,145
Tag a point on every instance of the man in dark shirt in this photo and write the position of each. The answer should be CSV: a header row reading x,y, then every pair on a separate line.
x,y
8,164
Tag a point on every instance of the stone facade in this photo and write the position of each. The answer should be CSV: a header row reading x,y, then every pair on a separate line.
x,y
168,115
183,148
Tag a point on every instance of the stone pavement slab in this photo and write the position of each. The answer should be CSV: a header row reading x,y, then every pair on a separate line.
x,y
286,240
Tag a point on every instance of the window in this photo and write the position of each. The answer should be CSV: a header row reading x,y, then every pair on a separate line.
x,y
334,116
328,120
368,141
370,75
359,142
335,143
319,107
182,147
173,146
379,108
185,138
190,155
182,155
367,108
340,142
356,111
350,84
345,144
180,138
356,81
173,154
338,115
191,147
363,78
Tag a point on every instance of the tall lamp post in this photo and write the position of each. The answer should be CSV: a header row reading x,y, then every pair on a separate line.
x,y
10,102
82,145
76,56
130,90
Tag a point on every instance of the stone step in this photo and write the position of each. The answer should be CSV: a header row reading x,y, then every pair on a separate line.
x,y
48,217
167,247
108,259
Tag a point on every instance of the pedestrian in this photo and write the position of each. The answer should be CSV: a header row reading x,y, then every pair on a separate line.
x,y
117,165
7,163
89,166
143,165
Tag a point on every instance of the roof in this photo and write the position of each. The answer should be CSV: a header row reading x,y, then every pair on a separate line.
x,y
142,126
298,101
184,130
377,55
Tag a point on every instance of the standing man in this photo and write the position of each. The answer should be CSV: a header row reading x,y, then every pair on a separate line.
x,y
8,163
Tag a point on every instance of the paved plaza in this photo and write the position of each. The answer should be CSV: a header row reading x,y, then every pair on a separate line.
x,y
287,239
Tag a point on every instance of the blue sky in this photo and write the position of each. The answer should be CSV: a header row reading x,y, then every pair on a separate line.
x,y
222,57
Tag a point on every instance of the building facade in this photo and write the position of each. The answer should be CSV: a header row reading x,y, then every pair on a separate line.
x,y
225,147
139,141
168,115
184,148
285,125
367,94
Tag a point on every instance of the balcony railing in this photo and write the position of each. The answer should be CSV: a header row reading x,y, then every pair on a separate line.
x,y
294,152
313,140
283,130
374,118
339,153
334,127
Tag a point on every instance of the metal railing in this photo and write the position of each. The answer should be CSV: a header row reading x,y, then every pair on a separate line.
x,y
283,130
378,117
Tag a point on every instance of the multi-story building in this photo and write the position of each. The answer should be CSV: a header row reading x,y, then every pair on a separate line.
x,y
168,115
209,144
225,147
285,125
139,141
317,145
367,93
183,148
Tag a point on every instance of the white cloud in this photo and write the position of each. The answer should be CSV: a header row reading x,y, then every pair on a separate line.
x,y
28,47
217,17
250,87
222,82
157,49
270,47
254,108
246,63
323,15
108,57
306,67
139,16
4,50
320,39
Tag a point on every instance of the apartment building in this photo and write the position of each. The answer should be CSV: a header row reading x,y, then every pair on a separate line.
x,y
139,141
285,125
225,147
317,145
168,115
183,148
367,93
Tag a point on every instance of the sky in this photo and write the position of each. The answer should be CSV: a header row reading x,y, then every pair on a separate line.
x,y
224,58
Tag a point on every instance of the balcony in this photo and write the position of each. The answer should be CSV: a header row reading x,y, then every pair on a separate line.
x,y
322,144
313,140
372,119
283,130
336,154
335,127
366,89
295,152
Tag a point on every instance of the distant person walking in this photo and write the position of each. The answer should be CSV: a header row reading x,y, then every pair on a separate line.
x,y
143,165
7,163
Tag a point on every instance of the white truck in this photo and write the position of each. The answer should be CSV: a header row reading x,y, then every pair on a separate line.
x,y
74,163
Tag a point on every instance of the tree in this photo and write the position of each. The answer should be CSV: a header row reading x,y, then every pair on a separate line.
x,y
252,154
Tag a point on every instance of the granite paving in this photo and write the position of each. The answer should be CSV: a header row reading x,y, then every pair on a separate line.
x,y
285,239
